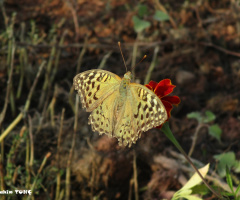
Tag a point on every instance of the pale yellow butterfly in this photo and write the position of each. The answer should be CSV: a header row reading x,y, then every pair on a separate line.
x,y
119,108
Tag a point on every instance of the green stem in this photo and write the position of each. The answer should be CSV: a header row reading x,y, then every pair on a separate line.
x,y
166,130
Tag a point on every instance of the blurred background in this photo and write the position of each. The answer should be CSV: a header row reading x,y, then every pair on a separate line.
x,y
47,145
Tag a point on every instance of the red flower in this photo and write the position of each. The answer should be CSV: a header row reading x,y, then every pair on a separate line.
x,y
162,90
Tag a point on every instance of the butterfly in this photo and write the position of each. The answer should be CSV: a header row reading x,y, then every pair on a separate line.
x,y
118,107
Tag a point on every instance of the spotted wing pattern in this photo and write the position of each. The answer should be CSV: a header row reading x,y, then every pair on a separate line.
x,y
98,90
93,86
123,112
102,118
147,111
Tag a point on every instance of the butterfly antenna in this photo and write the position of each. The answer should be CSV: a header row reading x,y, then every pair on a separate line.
x,y
119,44
139,62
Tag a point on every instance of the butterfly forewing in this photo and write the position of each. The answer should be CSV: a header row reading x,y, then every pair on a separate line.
x,y
93,86
149,111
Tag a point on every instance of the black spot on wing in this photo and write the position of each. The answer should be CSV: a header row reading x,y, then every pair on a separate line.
x,y
138,108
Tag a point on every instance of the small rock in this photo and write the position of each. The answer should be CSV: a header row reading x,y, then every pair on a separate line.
x,y
184,77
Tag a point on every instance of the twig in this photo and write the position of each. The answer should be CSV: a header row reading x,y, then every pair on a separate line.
x,y
79,64
80,58
2,115
97,45
27,164
130,189
134,54
6,19
135,175
220,49
126,46
170,135
38,173
59,137
23,61
27,104
152,66
58,156
75,18
52,106
198,16
195,138
104,60
15,174
31,142
214,177
10,59
47,83
203,179
2,175
69,162
57,57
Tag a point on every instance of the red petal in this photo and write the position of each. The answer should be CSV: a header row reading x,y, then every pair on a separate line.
x,y
164,88
153,84
159,127
149,87
168,107
175,100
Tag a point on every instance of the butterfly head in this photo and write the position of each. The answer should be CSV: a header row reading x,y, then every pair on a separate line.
x,y
128,76
125,82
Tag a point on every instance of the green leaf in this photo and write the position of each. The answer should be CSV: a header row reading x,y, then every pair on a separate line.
x,y
229,179
215,131
140,25
227,194
180,193
161,16
196,179
186,190
225,159
191,197
195,115
142,10
209,116
237,166
237,190
200,189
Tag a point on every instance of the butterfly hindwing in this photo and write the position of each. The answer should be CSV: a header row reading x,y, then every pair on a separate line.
x,y
102,118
